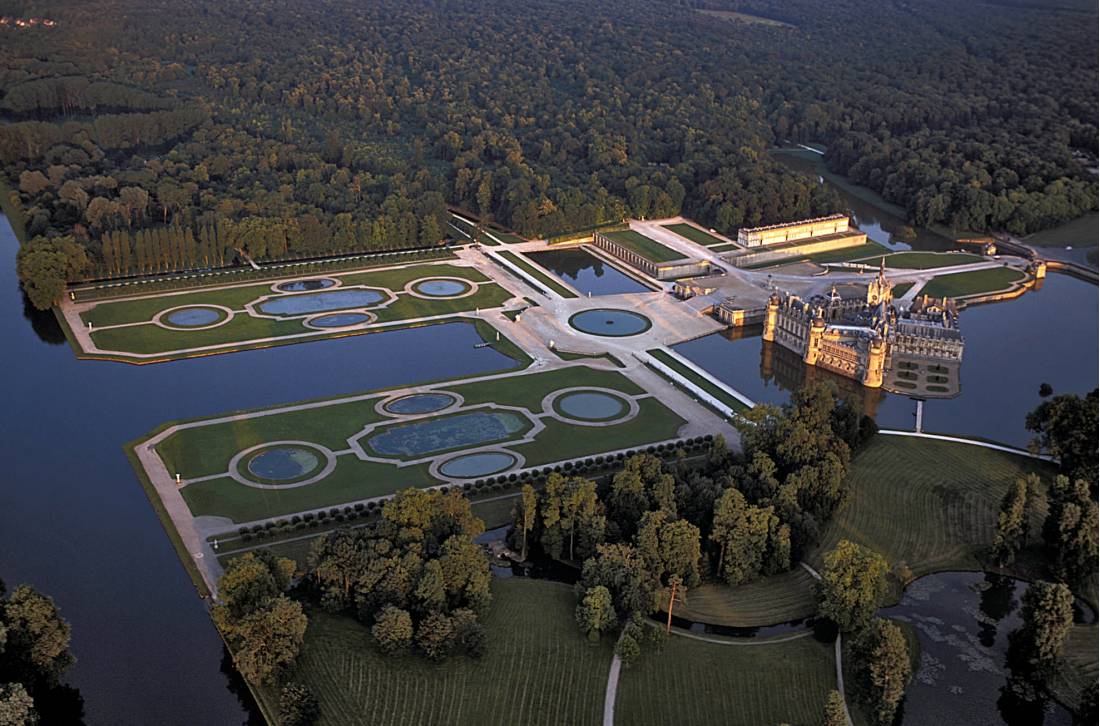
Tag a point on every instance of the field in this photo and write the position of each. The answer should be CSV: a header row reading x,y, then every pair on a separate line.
x,y
695,234
213,456
545,280
130,325
927,260
538,669
771,600
929,504
648,248
1081,232
848,254
752,683
978,282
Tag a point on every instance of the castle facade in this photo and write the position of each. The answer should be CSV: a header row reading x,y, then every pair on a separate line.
x,y
917,351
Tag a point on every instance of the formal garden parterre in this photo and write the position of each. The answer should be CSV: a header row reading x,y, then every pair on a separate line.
x,y
233,317
255,465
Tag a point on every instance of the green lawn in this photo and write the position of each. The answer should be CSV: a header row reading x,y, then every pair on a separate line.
x,y
1080,232
929,504
138,309
538,669
246,330
927,260
695,234
732,402
206,450
753,683
771,600
848,254
1078,667
901,288
973,283
544,279
648,248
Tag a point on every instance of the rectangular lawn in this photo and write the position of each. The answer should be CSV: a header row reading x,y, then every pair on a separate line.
x,y
648,248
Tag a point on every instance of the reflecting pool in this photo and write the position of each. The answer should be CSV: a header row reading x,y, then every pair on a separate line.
x,y
319,302
610,323
588,273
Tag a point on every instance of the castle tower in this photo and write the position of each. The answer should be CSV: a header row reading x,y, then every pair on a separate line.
x,y
813,341
879,289
771,318
876,362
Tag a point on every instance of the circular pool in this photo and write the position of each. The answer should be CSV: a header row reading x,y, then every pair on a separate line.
x,y
441,287
591,405
419,403
305,285
484,463
610,322
339,320
285,463
193,317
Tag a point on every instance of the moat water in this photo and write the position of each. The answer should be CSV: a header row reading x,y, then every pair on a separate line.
x,y
1047,335
75,523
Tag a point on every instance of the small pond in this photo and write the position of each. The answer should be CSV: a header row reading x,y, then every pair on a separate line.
x,y
588,273
442,288
339,320
196,317
484,463
419,403
963,620
610,322
449,432
305,285
591,405
319,302
283,463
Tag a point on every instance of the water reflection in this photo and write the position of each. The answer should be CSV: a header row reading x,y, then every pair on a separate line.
x,y
963,620
1011,347
587,273
43,322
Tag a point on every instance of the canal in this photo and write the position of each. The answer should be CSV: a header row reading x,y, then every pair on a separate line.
x,y
77,525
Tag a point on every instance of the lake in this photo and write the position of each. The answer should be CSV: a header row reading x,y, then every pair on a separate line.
x,y
77,525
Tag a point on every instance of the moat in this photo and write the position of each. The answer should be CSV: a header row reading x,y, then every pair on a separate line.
x,y
69,419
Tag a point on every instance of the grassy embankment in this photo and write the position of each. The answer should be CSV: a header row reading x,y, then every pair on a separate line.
x,y
735,404
697,236
927,260
978,282
648,248
207,450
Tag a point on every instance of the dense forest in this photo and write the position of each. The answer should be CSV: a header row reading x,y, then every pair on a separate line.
x,y
162,136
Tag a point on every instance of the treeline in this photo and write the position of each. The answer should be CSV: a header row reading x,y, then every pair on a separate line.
x,y
48,96
108,132
553,116
34,657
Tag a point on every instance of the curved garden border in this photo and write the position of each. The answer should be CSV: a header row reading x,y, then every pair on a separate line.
x,y
160,323
410,287
548,408
326,453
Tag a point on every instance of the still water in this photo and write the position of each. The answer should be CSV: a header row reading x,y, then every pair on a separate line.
x,y
1047,335
587,273
963,620
75,523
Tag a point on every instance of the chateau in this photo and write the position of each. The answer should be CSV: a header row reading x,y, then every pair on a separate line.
x,y
917,351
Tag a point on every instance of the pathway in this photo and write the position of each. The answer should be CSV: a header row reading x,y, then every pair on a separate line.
x,y
972,442
838,653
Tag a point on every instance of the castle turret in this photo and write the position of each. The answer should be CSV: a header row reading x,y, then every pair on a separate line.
x,y
1040,269
771,318
879,290
813,340
876,362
